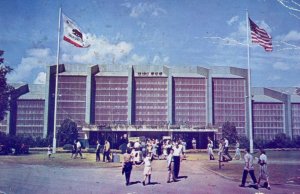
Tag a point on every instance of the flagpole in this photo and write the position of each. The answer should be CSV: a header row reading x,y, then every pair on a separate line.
x,y
249,88
56,82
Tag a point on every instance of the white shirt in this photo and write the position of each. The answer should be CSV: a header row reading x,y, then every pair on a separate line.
x,y
177,151
226,143
78,144
248,162
263,157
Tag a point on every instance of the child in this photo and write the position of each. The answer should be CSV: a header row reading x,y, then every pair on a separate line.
x,y
170,166
49,151
147,168
237,155
210,149
263,174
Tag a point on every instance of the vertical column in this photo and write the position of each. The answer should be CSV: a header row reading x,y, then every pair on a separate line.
x,y
170,99
288,117
90,94
49,99
209,99
129,95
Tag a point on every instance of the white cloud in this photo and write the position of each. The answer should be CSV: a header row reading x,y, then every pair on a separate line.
x,y
40,79
281,66
273,77
157,60
137,60
233,20
100,51
293,35
144,8
35,60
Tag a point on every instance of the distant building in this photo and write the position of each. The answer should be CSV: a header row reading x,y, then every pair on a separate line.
x,y
154,101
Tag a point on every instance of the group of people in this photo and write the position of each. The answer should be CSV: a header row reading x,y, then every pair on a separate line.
x,y
76,149
249,168
139,154
106,151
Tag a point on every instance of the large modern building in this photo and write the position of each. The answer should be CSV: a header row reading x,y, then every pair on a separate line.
x,y
153,101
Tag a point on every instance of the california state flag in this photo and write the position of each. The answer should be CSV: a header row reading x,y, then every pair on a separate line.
x,y
73,34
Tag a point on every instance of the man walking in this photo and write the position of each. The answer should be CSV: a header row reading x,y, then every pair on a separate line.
x,y
226,148
98,151
177,156
248,169
78,149
106,151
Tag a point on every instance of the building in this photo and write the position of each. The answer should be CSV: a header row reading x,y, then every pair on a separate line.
x,y
109,101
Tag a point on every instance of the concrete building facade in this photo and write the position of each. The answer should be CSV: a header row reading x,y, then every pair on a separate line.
x,y
154,101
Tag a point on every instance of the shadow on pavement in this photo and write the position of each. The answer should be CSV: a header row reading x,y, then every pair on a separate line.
x,y
182,177
153,183
135,182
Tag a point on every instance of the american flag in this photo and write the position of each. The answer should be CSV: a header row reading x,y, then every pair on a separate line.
x,y
260,36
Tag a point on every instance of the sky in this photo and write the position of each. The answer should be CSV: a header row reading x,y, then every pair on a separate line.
x,y
157,32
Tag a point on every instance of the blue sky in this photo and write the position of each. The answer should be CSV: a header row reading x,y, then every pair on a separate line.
x,y
173,33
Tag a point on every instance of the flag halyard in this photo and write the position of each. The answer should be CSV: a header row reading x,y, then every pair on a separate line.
x,y
260,36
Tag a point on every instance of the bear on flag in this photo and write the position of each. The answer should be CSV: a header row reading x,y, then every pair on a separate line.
x,y
73,34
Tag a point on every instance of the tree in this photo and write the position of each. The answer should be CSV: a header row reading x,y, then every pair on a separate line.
x,y
67,132
5,89
229,132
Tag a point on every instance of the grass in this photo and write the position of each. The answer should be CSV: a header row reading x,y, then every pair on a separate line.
x,y
58,159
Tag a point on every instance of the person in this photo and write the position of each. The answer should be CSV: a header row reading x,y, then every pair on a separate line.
x,y
226,148
127,165
237,154
177,156
210,149
248,169
98,148
49,151
74,149
165,150
106,151
147,168
170,166
194,143
263,174
221,150
137,155
78,149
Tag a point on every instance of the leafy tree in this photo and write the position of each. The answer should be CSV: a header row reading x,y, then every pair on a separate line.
x,y
5,89
244,142
67,132
229,132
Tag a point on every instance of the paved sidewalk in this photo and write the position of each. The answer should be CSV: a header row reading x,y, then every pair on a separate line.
x,y
17,178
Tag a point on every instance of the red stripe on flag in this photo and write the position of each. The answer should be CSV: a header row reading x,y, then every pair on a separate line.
x,y
260,36
72,42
